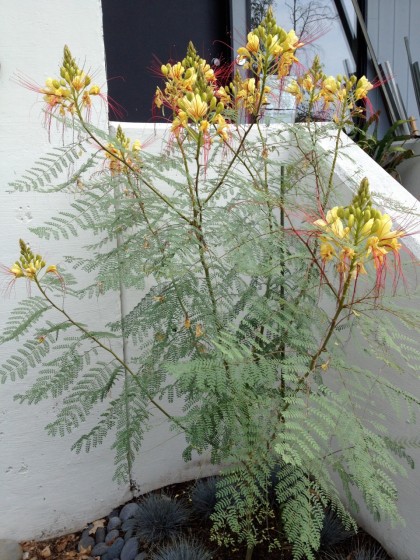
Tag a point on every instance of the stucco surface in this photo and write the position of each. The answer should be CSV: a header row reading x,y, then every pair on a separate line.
x,y
44,488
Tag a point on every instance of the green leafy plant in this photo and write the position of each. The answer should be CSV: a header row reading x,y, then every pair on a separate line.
x,y
251,271
388,151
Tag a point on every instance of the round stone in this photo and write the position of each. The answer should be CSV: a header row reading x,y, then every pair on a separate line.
x,y
100,549
10,550
86,543
115,549
111,536
129,510
141,556
113,523
100,534
130,549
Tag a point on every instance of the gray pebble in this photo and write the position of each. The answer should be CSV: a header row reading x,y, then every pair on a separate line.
x,y
114,513
86,542
128,524
129,510
115,549
111,536
113,523
85,533
100,534
131,547
141,556
10,550
100,549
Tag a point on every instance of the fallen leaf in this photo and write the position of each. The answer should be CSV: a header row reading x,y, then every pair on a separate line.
x,y
46,552
95,525
85,551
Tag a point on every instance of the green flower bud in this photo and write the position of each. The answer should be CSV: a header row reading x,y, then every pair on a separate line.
x,y
350,221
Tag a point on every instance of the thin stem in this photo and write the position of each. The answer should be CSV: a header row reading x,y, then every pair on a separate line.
x,y
322,347
107,349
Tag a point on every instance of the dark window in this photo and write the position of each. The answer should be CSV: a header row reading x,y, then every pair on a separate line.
x,y
142,34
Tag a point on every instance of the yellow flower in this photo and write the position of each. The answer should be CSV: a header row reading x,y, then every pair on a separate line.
x,y
196,108
333,224
286,61
79,82
274,47
136,146
16,271
30,271
327,251
176,71
222,127
158,98
378,252
253,43
52,268
204,126
291,42
362,88
367,228
308,83
347,253
223,96
330,85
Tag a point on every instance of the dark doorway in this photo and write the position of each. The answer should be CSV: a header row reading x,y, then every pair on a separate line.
x,y
142,34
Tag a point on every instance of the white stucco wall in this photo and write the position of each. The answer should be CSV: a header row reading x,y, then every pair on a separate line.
x,y
44,488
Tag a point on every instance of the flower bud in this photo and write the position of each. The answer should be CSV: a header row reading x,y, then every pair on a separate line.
x,y
375,226
350,220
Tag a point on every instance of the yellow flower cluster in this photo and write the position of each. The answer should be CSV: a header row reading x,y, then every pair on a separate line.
x,y
191,93
246,94
29,264
73,89
200,105
269,49
119,160
357,234
314,86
